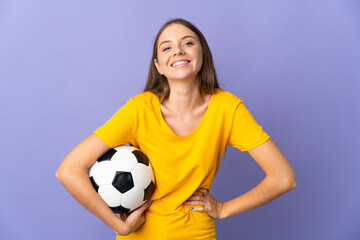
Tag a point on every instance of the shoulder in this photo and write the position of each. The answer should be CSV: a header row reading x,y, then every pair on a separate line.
x,y
144,96
227,98
144,99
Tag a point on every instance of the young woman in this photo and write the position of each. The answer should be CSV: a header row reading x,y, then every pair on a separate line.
x,y
183,122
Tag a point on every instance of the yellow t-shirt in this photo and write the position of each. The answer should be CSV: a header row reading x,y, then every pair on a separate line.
x,y
181,164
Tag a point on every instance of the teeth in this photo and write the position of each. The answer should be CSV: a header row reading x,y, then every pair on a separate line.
x,y
179,63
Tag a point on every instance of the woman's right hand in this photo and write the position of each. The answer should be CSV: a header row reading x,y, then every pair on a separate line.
x,y
133,220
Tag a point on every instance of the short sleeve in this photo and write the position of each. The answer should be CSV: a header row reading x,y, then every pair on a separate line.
x,y
245,133
119,129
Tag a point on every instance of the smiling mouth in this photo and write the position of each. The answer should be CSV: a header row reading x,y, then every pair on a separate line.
x,y
180,63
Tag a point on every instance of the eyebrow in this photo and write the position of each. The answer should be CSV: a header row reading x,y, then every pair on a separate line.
x,y
181,39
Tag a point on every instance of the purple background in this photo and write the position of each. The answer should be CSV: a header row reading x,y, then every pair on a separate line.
x,y
67,66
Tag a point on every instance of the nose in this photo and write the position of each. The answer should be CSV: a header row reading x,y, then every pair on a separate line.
x,y
178,50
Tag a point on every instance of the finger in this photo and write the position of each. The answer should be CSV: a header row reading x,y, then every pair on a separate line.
x,y
195,203
143,207
203,190
141,219
195,197
136,214
197,209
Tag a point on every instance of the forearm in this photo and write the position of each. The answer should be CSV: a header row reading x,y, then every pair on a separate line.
x,y
78,184
267,190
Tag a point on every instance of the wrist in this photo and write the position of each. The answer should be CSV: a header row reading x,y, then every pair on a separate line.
x,y
121,227
223,213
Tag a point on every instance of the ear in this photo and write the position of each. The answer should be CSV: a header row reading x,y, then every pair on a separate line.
x,y
157,66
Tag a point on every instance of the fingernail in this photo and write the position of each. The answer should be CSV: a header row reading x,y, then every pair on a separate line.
x,y
191,208
148,202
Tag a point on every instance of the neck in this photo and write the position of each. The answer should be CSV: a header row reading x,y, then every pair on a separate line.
x,y
184,97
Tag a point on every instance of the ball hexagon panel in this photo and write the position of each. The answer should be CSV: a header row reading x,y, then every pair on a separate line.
x,y
141,176
111,195
123,181
125,161
103,173
132,197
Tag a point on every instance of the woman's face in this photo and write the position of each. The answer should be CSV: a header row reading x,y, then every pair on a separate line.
x,y
179,53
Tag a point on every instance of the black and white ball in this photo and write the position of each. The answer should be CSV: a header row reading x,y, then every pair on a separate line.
x,y
123,178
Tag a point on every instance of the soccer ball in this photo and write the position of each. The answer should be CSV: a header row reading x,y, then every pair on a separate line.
x,y
123,178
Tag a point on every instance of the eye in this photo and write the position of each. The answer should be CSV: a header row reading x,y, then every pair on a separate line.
x,y
188,44
165,49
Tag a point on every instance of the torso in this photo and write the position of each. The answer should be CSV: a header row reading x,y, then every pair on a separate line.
x,y
183,125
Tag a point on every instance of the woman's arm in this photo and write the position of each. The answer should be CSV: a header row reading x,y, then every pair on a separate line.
x,y
280,178
72,173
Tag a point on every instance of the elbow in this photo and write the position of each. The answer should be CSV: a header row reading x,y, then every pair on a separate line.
x,y
293,184
287,180
62,174
283,183
67,174
59,174
289,183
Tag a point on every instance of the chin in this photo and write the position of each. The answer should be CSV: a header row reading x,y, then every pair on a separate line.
x,y
184,76
181,78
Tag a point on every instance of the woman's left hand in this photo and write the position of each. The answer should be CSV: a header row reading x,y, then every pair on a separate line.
x,y
207,202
